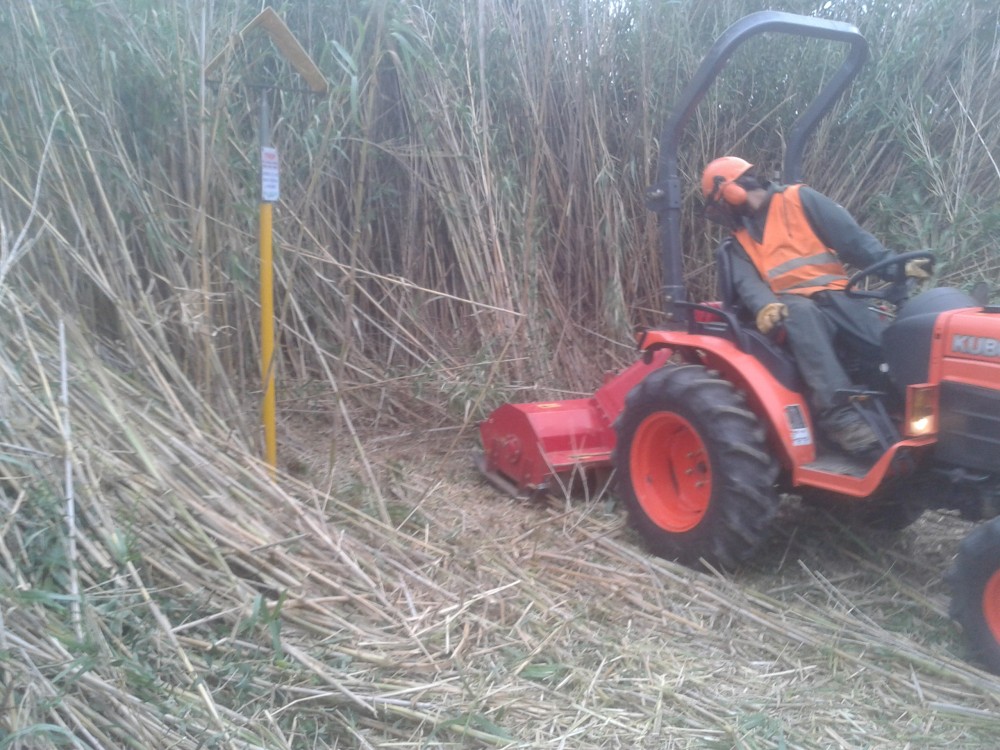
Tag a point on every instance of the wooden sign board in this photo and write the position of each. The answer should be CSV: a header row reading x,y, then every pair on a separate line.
x,y
286,43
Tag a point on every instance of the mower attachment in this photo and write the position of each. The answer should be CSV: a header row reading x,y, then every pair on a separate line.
x,y
525,446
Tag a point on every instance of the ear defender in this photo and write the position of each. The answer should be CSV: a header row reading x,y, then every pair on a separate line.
x,y
733,194
728,192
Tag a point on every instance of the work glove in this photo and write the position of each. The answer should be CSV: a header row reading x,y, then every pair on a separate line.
x,y
917,269
770,315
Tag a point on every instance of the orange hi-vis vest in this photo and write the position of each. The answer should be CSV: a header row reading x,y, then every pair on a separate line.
x,y
792,259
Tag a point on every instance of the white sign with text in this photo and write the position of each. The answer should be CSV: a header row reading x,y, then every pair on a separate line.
x,y
270,175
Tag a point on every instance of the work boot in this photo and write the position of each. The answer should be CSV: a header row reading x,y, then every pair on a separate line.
x,y
849,431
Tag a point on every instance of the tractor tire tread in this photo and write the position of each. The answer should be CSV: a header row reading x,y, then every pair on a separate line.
x,y
977,561
744,500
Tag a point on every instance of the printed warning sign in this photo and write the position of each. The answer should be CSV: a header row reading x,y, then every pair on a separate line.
x,y
270,175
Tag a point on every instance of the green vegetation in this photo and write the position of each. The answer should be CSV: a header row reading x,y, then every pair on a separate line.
x,y
462,219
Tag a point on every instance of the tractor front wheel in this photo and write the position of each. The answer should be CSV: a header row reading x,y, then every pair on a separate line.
x,y
693,467
975,592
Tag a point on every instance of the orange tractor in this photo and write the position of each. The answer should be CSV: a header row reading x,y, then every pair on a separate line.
x,y
711,425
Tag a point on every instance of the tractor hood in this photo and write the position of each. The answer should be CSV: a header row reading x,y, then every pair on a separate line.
x,y
970,343
912,341
942,337
969,389
973,336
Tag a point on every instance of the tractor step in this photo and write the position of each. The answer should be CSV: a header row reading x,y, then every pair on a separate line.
x,y
839,463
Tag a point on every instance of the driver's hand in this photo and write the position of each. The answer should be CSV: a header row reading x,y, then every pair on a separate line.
x,y
917,269
770,315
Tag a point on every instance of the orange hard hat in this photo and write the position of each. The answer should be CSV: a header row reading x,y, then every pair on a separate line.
x,y
717,181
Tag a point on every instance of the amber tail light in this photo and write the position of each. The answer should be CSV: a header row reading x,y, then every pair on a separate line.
x,y
921,410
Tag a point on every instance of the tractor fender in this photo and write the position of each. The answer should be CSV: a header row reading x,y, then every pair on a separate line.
x,y
782,412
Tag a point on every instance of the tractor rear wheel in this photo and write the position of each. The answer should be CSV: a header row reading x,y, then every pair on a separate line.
x,y
693,467
975,593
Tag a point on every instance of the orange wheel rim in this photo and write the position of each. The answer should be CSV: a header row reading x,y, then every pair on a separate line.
x,y
671,474
991,605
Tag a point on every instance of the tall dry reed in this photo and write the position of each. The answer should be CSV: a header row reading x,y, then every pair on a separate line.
x,y
461,220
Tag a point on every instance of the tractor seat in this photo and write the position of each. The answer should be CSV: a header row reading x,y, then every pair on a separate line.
x,y
724,281
769,350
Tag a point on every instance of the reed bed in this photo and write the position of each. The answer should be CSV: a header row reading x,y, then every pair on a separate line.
x,y
461,224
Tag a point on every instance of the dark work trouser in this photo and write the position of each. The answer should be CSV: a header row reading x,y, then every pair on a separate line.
x,y
813,325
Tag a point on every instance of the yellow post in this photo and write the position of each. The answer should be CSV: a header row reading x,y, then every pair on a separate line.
x,y
293,51
268,408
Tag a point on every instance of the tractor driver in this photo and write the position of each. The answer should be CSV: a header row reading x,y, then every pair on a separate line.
x,y
787,265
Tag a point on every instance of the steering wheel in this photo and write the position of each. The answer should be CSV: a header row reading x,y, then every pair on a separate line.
x,y
899,287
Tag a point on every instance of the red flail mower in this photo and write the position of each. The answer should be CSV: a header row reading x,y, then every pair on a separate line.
x,y
710,426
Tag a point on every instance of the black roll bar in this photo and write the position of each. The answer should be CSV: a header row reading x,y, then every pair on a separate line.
x,y
665,196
